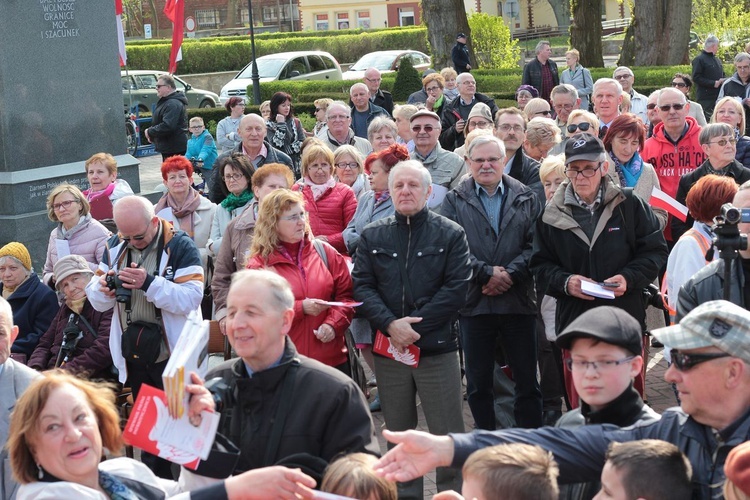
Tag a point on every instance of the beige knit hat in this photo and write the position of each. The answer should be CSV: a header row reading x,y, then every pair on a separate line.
x,y
17,251
70,264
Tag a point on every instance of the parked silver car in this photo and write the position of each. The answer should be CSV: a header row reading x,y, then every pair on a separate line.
x,y
308,65
387,61
140,86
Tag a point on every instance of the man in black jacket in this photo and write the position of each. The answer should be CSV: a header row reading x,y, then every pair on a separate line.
x,y
378,96
708,75
460,55
169,125
412,272
456,113
541,72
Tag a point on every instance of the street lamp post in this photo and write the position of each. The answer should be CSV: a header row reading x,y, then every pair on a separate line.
x,y
254,76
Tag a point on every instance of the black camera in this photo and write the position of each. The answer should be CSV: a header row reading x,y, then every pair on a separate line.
x,y
727,238
122,294
222,393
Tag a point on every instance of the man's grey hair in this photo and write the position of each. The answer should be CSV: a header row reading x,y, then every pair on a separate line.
x,y
378,123
654,94
414,166
338,104
168,80
17,262
464,76
742,56
358,85
564,89
668,90
481,141
540,45
711,41
622,68
606,81
6,314
281,291
714,130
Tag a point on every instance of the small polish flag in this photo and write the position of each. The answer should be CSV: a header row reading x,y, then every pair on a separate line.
x,y
660,199
120,34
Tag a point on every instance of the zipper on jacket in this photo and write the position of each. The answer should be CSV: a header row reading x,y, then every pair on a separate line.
x,y
406,267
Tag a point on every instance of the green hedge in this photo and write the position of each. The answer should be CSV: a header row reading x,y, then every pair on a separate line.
x,y
233,55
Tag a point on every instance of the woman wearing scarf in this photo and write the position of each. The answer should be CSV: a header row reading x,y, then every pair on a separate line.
x,y
330,205
104,186
624,141
183,206
235,171
373,205
284,130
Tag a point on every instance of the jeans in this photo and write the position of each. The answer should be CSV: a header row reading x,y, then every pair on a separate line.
x,y
518,337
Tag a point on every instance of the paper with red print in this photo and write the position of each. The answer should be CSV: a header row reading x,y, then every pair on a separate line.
x,y
384,347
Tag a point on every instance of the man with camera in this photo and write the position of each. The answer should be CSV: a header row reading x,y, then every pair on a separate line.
x,y
708,283
153,277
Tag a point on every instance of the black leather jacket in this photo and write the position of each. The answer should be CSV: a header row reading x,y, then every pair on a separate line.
x,y
169,125
437,266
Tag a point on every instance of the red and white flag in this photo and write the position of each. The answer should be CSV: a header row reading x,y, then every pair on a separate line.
x,y
660,199
120,34
175,12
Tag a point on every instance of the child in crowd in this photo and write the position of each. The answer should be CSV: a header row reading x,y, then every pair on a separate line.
x,y
648,469
605,346
508,471
352,476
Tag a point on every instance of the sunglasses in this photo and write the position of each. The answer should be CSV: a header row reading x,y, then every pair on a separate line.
x,y
682,85
724,142
684,362
545,113
583,127
418,128
667,107
651,106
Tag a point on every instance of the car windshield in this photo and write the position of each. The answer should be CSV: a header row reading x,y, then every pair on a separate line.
x,y
377,60
267,68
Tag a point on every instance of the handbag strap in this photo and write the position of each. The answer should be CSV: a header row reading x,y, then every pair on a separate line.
x,y
281,413
87,325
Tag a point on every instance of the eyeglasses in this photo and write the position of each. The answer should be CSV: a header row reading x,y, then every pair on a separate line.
x,y
338,117
196,127
586,172
418,128
347,166
470,82
373,79
480,124
319,166
583,127
742,68
159,85
684,362
545,113
622,77
566,107
651,106
63,204
667,107
138,237
724,142
682,85
578,365
432,89
482,161
507,128
232,177
295,217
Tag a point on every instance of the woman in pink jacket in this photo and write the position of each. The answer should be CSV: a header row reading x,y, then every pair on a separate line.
x,y
330,204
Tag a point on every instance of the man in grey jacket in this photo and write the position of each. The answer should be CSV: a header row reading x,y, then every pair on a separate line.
x,y
711,369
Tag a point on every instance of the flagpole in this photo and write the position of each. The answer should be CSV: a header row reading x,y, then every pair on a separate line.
x,y
254,76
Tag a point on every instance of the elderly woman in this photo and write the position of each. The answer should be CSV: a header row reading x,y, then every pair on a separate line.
x,y
316,272
104,186
730,111
684,82
284,130
235,250
226,130
61,426
33,304
321,106
542,134
433,85
624,141
330,205
78,338
381,132
480,117
450,91
577,76
77,232
524,94
718,141
402,114
235,172
350,168
183,206
537,108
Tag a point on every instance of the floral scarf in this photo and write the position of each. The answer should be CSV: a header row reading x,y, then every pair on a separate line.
x,y
381,197
628,172
233,202
114,488
184,212
319,189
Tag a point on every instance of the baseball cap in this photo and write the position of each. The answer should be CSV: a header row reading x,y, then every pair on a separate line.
x,y
717,323
461,35
583,147
609,324
424,112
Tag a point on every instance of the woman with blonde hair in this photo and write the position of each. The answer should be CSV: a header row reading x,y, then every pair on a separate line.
x,y
316,272
542,134
537,108
577,76
350,168
730,111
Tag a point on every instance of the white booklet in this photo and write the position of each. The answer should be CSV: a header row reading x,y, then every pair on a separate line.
x,y
190,354
596,290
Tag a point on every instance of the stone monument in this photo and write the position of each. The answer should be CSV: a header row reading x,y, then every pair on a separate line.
x,y
60,102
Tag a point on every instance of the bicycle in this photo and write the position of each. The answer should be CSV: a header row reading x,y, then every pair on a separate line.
x,y
131,132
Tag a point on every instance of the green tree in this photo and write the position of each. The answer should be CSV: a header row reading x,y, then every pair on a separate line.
x,y
494,47
728,20
407,81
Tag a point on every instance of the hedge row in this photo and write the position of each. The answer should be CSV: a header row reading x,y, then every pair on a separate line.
x,y
233,55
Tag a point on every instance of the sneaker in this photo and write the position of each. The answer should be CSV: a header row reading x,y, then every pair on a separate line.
x,y
656,343
375,405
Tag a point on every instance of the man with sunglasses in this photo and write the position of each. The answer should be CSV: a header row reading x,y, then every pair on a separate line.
x,y
711,369
445,167
594,233
161,271
638,101
674,149
169,125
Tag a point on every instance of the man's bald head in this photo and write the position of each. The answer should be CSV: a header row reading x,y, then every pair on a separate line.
x,y
133,207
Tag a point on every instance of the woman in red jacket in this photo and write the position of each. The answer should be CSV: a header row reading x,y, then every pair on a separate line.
x,y
330,204
282,242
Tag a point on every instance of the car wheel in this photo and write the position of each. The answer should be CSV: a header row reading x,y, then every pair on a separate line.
x,y
143,109
207,103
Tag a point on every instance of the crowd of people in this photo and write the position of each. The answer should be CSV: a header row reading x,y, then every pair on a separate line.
x,y
524,248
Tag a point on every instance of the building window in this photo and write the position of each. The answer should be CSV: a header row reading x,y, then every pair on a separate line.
x,y
270,14
363,19
321,22
406,16
208,18
342,21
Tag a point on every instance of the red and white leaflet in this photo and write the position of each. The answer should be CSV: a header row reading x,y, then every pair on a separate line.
x,y
384,347
660,199
346,303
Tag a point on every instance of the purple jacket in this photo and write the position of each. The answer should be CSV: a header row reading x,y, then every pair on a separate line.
x,y
88,239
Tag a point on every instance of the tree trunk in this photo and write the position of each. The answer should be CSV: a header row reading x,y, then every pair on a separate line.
x,y
444,19
627,55
671,20
586,32
561,8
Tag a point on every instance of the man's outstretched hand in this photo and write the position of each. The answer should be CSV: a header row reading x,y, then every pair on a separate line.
x,y
416,453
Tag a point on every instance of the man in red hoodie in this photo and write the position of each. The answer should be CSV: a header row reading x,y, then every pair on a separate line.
x,y
674,148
